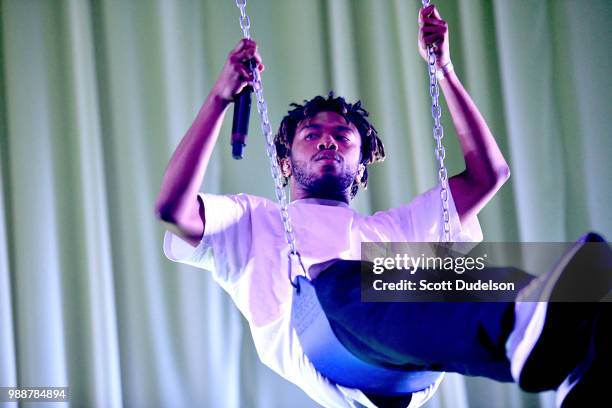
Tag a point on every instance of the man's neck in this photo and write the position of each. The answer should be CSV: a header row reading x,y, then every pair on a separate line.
x,y
300,193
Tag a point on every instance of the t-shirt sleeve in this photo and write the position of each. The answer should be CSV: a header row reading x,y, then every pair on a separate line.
x,y
225,243
421,220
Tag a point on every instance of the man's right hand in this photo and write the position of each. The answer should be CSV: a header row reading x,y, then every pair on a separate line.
x,y
177,205
236,73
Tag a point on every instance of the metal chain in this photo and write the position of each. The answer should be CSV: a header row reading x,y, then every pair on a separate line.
x,y
266,129
438,134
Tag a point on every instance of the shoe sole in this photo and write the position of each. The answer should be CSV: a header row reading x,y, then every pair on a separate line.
x,y
590,381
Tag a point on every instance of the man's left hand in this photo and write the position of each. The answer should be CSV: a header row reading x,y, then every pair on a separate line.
x,y
433,31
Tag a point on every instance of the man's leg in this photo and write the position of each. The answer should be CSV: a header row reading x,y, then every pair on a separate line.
x,y
471,338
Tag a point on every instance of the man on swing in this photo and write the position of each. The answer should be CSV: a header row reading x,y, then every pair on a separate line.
x,y
324,148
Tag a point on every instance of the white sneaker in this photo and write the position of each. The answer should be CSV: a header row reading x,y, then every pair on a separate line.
x,y
551,334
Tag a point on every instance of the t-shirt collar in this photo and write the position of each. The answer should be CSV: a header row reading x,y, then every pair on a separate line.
x,y
321,201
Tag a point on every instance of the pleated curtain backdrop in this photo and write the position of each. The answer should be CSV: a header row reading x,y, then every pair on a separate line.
x,y
96,94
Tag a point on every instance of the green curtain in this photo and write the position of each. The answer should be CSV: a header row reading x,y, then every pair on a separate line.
x,y
96,94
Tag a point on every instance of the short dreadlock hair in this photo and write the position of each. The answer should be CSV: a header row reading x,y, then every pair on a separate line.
x,y
372,148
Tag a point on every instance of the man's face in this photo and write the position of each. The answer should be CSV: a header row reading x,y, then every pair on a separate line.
x,y
325,154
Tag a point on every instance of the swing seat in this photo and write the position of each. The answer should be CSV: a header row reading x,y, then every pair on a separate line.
x,y
338,364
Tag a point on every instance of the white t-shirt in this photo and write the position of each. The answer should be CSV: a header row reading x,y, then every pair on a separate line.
x,y
245,249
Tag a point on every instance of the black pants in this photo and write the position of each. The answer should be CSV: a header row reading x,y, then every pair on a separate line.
x,y
462,337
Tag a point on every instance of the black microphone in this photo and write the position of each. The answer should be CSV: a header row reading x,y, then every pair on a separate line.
x,y
240,124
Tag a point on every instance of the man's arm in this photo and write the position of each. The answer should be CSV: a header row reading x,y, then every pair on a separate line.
x,y
485,167
177,205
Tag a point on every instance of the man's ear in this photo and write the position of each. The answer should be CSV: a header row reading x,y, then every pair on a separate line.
x,y
285,166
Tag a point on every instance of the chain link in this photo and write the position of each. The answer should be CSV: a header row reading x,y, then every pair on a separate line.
x,y
245,21
266,129
438,134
